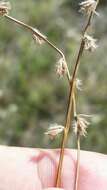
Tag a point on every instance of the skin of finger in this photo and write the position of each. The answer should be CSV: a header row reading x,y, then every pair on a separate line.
x,y
30,169
54,189
93,170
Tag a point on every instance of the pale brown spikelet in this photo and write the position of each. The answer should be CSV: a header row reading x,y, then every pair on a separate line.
x,y
54,130
38,36
88,6
80,124
4,8
89,43
38,40
61,67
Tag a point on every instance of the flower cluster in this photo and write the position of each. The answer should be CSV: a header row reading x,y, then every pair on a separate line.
x,y
88,6
61,67
4,8
80,124
54,130
89,43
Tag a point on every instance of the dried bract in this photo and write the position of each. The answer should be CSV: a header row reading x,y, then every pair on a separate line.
x,y
61,67
80,124
88,6
89,43
54,130
4,8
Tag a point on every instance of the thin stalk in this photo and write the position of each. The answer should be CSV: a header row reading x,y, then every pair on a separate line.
x,y
78,145
69,116
40,35
78,163
74,106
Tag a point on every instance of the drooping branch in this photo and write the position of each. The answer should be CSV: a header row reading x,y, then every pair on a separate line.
x,y
36,32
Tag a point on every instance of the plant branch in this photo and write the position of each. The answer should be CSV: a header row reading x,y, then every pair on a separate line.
x,y
41,36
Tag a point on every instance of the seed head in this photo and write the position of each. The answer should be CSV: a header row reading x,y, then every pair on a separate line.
x,y
89,43
88,6
80,124
54,130
61,67
4,8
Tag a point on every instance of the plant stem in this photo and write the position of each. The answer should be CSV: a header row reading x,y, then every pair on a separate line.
x,y
78,163
68,118
40,35
70,104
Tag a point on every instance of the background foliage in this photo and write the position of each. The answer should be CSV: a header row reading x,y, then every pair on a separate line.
x,y
31,95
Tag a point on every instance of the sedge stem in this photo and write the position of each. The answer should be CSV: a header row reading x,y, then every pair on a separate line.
x,y
69,115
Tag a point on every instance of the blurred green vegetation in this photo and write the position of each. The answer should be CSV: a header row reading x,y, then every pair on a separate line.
x,y
31,95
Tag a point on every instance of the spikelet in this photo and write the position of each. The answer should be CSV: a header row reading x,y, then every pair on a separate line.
x,y
88,6
4,8
54,130
80,125
61,67
89,43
